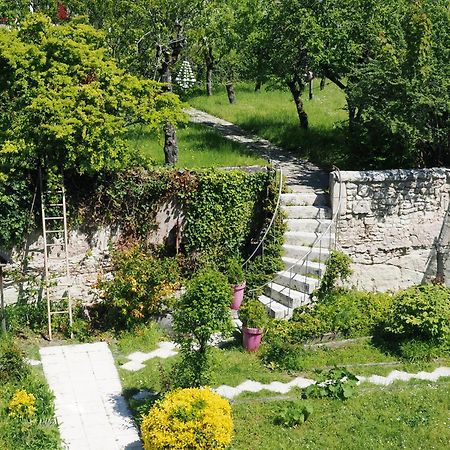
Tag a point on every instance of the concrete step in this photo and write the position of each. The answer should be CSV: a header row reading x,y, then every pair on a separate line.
x,y
309,268
298,251
306,238
308,212
308,225
275,309
287,297
301,283
306,199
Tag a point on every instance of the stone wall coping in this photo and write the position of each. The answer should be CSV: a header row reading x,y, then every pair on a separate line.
x,y
374,176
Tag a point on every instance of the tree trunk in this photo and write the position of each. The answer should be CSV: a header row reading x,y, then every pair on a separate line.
x,y
258,86
296,89
311,89
322,83
170,144
230,92
351,116
209,82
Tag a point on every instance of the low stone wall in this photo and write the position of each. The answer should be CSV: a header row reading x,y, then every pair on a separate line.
x,y
390,224
89,256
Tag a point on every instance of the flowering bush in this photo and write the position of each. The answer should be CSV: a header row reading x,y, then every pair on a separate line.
x,y
22,405
188,419
141,281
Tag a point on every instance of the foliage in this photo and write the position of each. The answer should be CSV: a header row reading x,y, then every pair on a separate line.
x,y
200,312
26,420
417,350
12,363
420,312
221,213
345,313
262,268
293,414
337,268
338,383
139,285
22,405
253,314
188,418
402,415
71,103
234,271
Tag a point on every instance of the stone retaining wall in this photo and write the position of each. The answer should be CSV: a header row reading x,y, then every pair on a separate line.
x,y
89,256
390,224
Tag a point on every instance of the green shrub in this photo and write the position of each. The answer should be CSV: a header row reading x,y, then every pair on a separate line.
x,y
253,314
224,211
354,313
336,383
293,414
337,268
420,312
194,419
234,271
203,310
140,283
12,363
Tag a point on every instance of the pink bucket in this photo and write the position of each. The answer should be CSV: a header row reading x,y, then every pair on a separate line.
x,y
251,338
238,295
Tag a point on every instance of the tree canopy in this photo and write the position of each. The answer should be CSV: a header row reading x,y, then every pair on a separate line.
x,y
65,102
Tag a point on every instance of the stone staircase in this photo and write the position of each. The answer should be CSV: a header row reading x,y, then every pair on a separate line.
x,y
308,215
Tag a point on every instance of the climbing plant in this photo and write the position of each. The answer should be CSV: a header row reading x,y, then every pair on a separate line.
x,y
222,211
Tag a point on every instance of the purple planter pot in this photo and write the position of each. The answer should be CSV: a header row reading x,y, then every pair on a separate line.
x,y
251,338
238,295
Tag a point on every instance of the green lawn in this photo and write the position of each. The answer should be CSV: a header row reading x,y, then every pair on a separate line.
x,y
411,415
272,115
403,416
198,147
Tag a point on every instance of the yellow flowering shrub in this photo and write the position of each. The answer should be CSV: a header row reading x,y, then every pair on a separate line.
x,y
188,419
22,405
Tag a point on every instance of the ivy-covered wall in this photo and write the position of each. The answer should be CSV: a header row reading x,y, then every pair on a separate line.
x,y
215,213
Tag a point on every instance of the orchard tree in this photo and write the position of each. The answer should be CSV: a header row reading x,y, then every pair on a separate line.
x,y
65,103
148,37
288,45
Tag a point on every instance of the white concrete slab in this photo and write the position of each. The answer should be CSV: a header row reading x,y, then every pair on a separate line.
x,y
90,409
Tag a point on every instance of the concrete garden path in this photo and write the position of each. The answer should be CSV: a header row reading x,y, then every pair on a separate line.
x,y
297,171
92,414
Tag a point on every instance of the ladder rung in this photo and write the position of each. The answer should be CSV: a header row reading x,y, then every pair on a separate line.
x,y
55,245
59,312
55,204
54,231
54,218
54,192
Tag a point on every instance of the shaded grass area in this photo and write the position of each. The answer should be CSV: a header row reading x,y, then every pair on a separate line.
x,y
198,147
401,416
271,114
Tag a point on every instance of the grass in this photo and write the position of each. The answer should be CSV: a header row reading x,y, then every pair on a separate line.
x,y
271,114
233,365
40,431
199,147
402,416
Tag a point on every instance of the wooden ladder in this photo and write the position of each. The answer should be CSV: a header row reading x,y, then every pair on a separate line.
x,y
54,227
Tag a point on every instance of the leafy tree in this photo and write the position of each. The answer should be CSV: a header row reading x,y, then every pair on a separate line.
x,y
287,44
66,103
201,311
